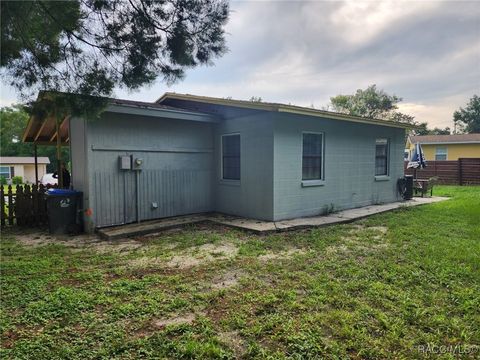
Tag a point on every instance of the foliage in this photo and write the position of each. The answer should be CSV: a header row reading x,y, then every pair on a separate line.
x,y
468,119
422,129
3,180
379,288
256,99
17,180
13,121
91,46
371,102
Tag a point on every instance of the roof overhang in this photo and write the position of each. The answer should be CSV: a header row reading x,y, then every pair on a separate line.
x,y
283,108
161,113
449,142
43,131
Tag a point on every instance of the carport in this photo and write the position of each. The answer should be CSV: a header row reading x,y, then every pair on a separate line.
x,y
48,131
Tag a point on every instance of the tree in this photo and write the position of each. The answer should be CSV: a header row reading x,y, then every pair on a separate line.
x,y
12,124
422,129
372,103
92,46
468,119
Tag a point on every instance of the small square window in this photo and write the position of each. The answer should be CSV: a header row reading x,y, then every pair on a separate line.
x,y
381,157
231,157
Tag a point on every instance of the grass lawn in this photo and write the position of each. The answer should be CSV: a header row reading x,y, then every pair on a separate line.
x,y
385,287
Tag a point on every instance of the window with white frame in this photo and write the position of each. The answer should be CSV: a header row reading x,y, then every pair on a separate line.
x,y
231,157
440,153
5,172
381,157
312,156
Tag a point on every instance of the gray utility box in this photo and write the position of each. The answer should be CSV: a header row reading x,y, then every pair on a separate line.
x,y
125,162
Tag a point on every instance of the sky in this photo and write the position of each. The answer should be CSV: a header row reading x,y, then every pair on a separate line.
x,y
302,53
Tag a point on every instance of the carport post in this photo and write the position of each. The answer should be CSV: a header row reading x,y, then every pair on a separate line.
x,y
59,152
36,163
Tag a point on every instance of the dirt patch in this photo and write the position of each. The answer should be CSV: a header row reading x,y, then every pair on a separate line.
x,y
381,229
203,254
228,280
354,242
234,341
337,249
281,254
77,242
194,256
188,318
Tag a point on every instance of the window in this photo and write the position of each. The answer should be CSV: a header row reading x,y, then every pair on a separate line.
x,y
406,155
440,153
312,156
231,157
381,157
5,171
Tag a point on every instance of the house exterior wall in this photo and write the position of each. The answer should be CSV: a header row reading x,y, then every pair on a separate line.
x,y
182,167
252,196
176,173
454,151
29,173
349,166
19,170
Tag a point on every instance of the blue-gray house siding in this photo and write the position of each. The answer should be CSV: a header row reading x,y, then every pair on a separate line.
x,y
182,172
349,166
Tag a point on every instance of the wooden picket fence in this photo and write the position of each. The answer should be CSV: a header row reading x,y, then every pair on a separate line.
x,y
24,207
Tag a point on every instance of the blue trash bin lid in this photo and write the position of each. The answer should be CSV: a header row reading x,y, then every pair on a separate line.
x,y
61,192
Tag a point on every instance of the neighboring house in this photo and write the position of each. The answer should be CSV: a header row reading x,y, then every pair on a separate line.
x,y
189,154
447,147
23,166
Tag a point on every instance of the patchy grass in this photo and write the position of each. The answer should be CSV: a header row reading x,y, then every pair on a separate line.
x,y
383,287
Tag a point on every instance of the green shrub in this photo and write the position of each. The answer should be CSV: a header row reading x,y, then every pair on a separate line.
x,y
17,180
3,180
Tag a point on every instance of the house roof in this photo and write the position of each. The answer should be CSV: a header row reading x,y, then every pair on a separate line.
x,y
278,107
446,139
43,131
11,160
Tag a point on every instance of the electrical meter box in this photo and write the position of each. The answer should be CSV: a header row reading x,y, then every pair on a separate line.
x,y
137,164
125,162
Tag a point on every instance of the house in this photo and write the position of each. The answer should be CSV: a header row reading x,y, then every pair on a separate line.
x,y
447,147
23,166
189,154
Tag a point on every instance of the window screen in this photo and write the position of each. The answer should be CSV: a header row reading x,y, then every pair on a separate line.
x,y
440,153
381,157
231,157
312,158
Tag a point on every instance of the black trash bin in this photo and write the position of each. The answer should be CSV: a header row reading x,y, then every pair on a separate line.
x,y
62,210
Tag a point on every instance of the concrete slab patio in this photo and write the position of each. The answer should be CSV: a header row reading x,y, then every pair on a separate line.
x,y
259,226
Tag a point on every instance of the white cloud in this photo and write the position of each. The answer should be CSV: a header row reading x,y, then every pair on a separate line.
x,y
359,21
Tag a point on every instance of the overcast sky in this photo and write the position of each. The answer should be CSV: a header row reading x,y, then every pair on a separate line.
x,y
304,52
